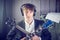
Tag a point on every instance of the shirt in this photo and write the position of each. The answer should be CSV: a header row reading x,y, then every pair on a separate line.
x,y
30,28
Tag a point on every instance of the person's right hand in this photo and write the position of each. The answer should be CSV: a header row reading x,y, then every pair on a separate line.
x,y
23,38
35,37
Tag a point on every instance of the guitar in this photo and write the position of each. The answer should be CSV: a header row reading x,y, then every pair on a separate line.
x,y
12,22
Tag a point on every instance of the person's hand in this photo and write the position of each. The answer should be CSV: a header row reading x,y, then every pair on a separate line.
x,y
23,38
35,37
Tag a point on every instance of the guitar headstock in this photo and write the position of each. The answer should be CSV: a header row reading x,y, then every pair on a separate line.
x,y
10,22
47,24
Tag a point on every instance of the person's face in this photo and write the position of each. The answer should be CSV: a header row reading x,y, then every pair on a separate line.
x,y
28,13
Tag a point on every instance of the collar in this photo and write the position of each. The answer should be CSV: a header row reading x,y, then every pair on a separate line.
x,y
31,22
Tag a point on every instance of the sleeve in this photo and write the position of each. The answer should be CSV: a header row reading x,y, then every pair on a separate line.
x,y
15,34
46,35
11,34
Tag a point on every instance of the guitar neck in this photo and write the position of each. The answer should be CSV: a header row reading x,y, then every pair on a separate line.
x,y
21,29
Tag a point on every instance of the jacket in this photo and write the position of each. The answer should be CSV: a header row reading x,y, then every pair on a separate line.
x,y
16,34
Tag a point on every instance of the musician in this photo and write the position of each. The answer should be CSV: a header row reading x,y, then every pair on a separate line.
x,y
29,24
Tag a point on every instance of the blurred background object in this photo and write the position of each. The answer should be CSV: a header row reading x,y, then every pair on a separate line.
x,y
55,17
